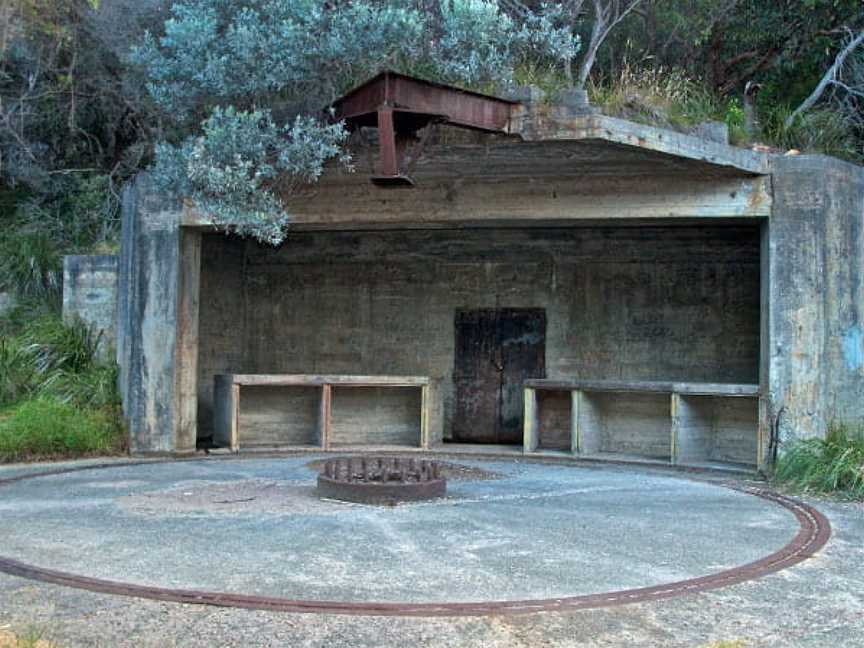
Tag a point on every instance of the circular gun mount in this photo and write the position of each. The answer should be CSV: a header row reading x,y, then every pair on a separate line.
x,y
381,480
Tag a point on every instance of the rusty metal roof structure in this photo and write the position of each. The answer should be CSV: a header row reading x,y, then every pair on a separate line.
x,y
399,106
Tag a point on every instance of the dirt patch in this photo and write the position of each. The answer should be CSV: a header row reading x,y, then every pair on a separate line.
x,y
32,640
450,471
251,496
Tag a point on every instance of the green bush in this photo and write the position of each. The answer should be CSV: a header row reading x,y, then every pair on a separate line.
x,y
545,75
76,215
736,122
47,357
834,464
45,428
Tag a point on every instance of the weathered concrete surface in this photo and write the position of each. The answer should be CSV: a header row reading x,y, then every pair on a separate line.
x,y
554,420
274,416
147,318
566,169
580,531
508,184
90,294
640,303
715,131
816,294
376,416
817,604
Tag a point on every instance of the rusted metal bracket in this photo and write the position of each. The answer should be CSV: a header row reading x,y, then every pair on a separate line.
x,y
396,130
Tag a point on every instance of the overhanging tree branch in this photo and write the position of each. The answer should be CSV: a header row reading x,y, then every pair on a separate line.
x,y
607,15
831,77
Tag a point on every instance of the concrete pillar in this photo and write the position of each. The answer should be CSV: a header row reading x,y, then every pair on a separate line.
x,y
157,321
815,345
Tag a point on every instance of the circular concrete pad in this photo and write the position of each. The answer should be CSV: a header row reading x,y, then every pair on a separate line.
x,y
254,527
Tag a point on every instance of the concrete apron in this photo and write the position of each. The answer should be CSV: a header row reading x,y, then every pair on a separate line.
x,y
252,533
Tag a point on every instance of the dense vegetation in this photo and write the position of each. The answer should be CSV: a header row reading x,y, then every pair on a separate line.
x,y
57,396
225,96
223,99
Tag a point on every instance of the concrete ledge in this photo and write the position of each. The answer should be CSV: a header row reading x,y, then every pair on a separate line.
x,y
705,389
554,124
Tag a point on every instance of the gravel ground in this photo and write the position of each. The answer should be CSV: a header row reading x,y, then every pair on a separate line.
x,y
817,603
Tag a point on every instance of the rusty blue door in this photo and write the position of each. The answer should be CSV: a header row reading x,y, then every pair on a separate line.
x,y
496,350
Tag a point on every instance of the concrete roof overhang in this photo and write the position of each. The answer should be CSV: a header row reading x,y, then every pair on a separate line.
x,y
549,164
618,136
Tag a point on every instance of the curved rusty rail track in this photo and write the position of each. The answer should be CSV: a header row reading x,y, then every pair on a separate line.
x,y
814,532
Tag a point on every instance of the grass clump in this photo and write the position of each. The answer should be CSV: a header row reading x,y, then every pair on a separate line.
x,y
17,375
547,77
44,356
658,96
33,638
31,266
46,428
74,215
55,345
824,131
95,387
833,465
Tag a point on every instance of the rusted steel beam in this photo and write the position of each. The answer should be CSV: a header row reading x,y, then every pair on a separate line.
x,y
387,142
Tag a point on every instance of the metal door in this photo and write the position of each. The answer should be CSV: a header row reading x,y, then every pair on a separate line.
x,y
496,350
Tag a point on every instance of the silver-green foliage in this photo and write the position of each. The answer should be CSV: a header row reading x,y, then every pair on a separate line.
x,y
226,68
230,171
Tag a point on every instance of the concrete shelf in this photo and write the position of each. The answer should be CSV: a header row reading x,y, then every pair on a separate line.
x,y
624,423
711,425
320,411
716,430
555,420
376,416
286,416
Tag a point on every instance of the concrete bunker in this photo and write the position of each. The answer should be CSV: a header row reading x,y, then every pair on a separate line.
x,y
561,282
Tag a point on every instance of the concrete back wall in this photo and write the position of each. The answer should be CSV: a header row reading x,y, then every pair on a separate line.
x,y
653,303
90,294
